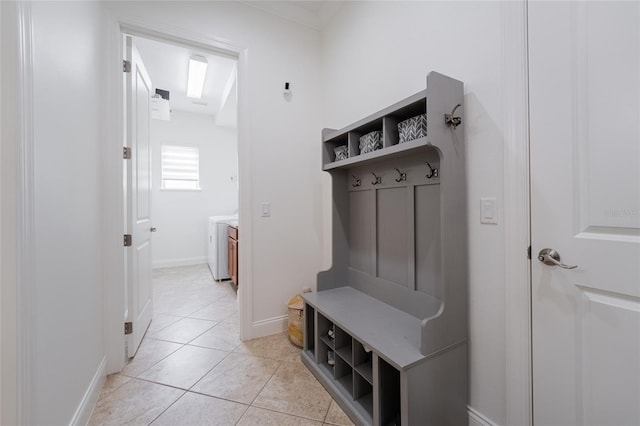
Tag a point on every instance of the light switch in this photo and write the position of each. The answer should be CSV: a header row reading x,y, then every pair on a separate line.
x,y
488,211
266,209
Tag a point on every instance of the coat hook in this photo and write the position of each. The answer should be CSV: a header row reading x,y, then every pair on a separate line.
x,y
432,172
378,179
452,120
357,181
402,176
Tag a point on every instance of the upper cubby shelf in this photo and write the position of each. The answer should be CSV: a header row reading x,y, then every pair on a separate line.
x,y
386,123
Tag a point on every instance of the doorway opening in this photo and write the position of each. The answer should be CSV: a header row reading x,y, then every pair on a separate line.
x,y
182,181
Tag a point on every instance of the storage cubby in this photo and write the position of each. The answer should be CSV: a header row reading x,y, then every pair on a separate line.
x,y
362,361
343,346
328,153
363,395
309,326
412,109
389,394
344,376
396,293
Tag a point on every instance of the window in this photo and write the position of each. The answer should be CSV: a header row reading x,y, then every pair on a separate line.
x,y
180,167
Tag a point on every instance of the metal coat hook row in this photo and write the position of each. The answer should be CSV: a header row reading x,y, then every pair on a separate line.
x,y
402,176
432,172
451,119
378,179
357,182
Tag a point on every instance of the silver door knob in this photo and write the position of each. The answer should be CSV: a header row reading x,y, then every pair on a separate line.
x,y
153,229
551,257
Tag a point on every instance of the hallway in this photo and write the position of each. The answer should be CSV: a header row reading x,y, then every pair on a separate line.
x,y
192,369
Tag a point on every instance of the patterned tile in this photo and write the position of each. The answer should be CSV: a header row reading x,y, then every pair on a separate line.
x,y
237,378
135,402
224,336
336,416
183,331
276,347
149,353
256,416
294,390
195,409
184,367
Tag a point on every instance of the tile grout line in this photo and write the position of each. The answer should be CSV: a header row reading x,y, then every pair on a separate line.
x,y
165,410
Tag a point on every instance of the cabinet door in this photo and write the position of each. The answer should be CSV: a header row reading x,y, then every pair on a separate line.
x,y
234,274
230,257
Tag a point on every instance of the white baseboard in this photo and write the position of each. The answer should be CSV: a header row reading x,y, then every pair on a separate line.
x,y
477,419
83,413
269,326
172,263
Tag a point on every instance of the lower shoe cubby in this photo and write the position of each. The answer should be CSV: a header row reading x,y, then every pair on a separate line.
x,y
348,366
389,379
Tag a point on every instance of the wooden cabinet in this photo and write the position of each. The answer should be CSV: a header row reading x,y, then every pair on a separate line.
x,y
232,258
386,331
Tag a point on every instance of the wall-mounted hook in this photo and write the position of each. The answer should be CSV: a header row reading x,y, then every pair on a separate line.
x,y
356,182
402,176
452,120
378,179
432,172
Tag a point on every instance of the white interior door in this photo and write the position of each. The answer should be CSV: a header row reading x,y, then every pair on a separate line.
x,y
140,296
584,60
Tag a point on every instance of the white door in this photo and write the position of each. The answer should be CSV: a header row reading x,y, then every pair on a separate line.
x,y
139,294
584,60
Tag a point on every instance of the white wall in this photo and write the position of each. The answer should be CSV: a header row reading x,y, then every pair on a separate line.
x,y
181,216
377,53
68,123
279,139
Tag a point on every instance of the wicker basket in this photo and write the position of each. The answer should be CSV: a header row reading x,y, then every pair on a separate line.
x,y
296,321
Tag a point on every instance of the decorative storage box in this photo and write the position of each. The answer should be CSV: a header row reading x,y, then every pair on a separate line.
x,y
342,152
370,142
413,128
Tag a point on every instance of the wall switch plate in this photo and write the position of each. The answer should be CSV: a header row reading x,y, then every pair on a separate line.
x,y
265,209
488,211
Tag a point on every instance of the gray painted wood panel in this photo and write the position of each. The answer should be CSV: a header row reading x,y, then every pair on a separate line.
x,y
428,243
360,230
392,235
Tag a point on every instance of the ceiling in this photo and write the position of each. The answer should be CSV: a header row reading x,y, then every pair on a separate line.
x,y
311,13
168,64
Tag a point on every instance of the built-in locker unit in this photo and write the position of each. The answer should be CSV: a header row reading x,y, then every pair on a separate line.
x,y
386,330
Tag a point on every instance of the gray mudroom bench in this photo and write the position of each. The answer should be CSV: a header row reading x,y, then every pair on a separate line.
x,y
386,330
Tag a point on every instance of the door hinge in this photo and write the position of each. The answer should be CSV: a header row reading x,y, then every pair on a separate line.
x,y
128,327
126,153
126,66
529,253
127,240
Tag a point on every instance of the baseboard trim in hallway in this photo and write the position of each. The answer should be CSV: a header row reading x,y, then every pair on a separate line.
x,y
269,326
90,398
477,419
172,263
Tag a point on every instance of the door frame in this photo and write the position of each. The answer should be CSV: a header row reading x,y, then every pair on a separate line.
x,y
113,171
517,214
17,289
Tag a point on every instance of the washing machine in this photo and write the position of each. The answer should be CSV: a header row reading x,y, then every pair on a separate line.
x,y
217,253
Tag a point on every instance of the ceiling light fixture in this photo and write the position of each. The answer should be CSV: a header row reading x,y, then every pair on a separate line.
x,y
197,74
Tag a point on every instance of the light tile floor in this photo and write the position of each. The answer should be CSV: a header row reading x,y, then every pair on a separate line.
x,y
192,368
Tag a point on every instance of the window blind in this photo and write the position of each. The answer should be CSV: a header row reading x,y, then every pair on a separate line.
x,y
180,167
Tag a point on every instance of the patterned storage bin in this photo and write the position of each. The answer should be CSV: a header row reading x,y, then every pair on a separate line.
x,y
370,142
342,152
413,128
